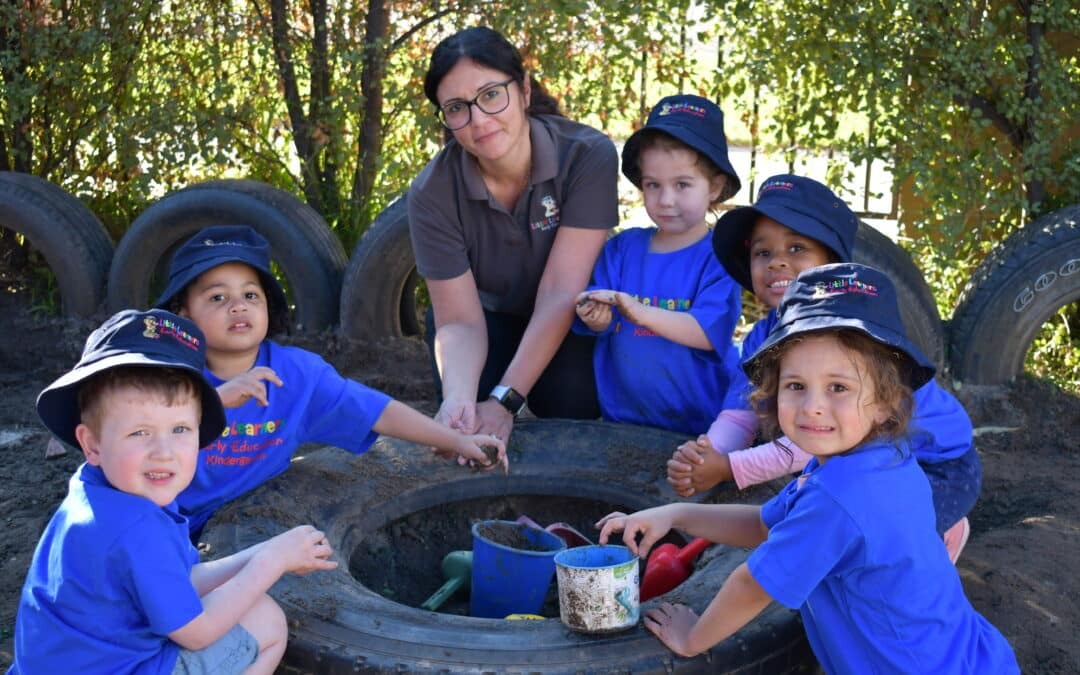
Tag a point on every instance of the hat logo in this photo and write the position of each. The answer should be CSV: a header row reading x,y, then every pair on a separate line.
x,y
834,287
771,185
155,329
689,108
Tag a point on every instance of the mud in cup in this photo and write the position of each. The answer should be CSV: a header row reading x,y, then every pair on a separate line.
x,y
598,588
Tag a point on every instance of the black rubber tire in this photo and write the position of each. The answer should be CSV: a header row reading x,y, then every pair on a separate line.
x,y
378,294
337,625
917,307
74,243
307,251
1020,284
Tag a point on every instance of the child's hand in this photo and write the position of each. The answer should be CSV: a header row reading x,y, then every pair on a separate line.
x,y
252,384
672,624
651,524
628,306
596,315
696,467
459,415
484,451
301,550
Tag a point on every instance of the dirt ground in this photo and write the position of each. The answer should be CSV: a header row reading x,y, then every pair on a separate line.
x,y
1018,567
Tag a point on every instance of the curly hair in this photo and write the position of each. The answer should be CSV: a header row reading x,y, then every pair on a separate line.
x,y
886,367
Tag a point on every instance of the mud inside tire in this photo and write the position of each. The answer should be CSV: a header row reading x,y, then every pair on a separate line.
x,y
338,625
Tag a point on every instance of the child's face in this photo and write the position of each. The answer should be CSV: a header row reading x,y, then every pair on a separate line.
x,y
228,304
144,446
825,400
777,255
677,192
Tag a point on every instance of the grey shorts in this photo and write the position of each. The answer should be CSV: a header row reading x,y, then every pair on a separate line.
x,y
232,653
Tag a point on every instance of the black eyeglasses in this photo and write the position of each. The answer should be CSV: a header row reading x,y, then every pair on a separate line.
x,y
458,113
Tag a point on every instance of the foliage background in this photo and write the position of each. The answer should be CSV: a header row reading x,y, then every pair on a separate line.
x,y
970,105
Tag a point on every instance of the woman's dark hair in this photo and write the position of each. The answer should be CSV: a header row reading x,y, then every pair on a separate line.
x,y
488,48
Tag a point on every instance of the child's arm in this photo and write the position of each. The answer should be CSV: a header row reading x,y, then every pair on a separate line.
x,y
767,461
729,524
679,327
300,550
739,600
401,421
698,466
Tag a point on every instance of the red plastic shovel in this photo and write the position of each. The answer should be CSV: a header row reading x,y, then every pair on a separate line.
x,y
669,566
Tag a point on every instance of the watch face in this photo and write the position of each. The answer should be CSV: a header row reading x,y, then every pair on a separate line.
x,y
510,399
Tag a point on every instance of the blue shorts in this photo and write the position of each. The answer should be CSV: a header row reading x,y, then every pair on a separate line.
x,y
955,484
232,653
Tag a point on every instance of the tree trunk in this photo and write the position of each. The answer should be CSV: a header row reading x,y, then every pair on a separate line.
x,y
371,86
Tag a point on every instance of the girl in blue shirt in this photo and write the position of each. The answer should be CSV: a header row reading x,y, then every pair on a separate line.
x,y
851,542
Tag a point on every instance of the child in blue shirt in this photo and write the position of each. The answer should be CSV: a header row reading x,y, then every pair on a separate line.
x,y
797,223
662,307
221,280
851,542
115,586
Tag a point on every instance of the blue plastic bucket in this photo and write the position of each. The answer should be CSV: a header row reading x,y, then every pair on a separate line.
x,y
598,588
509,580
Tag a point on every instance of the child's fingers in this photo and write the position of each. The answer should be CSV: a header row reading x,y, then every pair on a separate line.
x,y
267,374
689,453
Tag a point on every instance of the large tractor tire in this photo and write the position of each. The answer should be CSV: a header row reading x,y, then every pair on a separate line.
x,y
1023,281
74,243
378,294
307,252
384,511
918,310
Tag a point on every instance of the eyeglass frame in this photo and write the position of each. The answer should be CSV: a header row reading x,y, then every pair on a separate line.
x,y
440,113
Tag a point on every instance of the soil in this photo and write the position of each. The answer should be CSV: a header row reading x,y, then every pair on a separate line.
x,y
1016,569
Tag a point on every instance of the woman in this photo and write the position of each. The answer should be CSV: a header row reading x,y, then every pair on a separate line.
x,y
506,223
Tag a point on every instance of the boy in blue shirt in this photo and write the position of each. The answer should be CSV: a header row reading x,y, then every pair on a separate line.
x,y
115,585
662,308
221,279
850,542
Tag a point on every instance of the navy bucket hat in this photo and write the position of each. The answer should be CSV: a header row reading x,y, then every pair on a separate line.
x,y
154,338
798,203
844,295
217,245
697,122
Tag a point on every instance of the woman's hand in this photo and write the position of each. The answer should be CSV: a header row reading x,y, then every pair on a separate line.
x,y
459,415
492,418
596,315
251,385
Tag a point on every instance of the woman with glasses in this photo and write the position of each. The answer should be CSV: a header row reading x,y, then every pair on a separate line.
x,y
506,222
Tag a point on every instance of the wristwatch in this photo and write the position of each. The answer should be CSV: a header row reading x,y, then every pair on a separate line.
x,y
509,398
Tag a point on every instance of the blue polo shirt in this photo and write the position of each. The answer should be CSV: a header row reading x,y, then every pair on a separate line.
x,y
854,549
109,580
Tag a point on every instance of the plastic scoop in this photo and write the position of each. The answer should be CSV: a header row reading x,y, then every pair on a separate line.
x,y
563,531
669,566
457,569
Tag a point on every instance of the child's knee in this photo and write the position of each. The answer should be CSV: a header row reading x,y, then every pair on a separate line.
x,y
266,622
